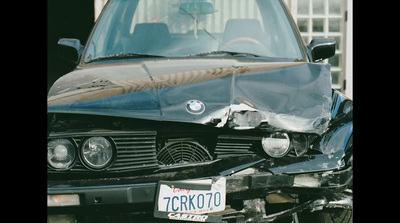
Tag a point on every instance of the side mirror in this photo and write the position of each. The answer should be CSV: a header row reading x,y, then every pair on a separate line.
x,y
322,48
70,49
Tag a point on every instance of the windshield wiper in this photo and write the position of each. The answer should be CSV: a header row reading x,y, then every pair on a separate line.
x,y
225,53
123,56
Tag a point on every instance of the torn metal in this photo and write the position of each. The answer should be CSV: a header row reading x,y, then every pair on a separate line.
x,y
290,96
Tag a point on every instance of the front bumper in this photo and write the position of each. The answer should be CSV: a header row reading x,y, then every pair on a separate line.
x,y
248,184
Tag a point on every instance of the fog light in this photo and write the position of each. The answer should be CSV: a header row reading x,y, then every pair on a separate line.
x,y
276,145
63,200
61,219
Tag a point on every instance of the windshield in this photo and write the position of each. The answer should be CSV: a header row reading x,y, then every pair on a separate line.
x,y
182,28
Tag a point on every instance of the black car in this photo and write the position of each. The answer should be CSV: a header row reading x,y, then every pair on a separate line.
x,y
198,111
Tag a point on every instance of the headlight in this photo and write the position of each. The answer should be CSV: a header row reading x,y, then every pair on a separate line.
x,y
97,152
61,153
276,145
300,144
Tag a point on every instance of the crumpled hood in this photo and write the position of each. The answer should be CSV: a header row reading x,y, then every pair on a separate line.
x,y
294,96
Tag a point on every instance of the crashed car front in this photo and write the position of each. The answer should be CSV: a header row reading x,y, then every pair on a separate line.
x,y
206,137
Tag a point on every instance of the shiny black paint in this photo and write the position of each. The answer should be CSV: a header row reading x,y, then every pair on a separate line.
x,y
242,87
295,96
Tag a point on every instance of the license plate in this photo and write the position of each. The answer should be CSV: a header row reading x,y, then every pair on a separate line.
x,y
190,200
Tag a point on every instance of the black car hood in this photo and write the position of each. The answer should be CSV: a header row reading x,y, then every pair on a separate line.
x,y
294,96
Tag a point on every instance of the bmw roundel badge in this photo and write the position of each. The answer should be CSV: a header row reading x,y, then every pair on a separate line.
x,y
195,107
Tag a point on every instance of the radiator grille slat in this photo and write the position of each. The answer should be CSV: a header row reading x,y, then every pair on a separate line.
x,y
135,152
235,146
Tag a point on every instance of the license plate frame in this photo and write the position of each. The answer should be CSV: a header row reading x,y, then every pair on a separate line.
x,y
191,200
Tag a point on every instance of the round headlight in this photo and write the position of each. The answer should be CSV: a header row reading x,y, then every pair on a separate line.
x,y
276,145
61,153
300,144
97,152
